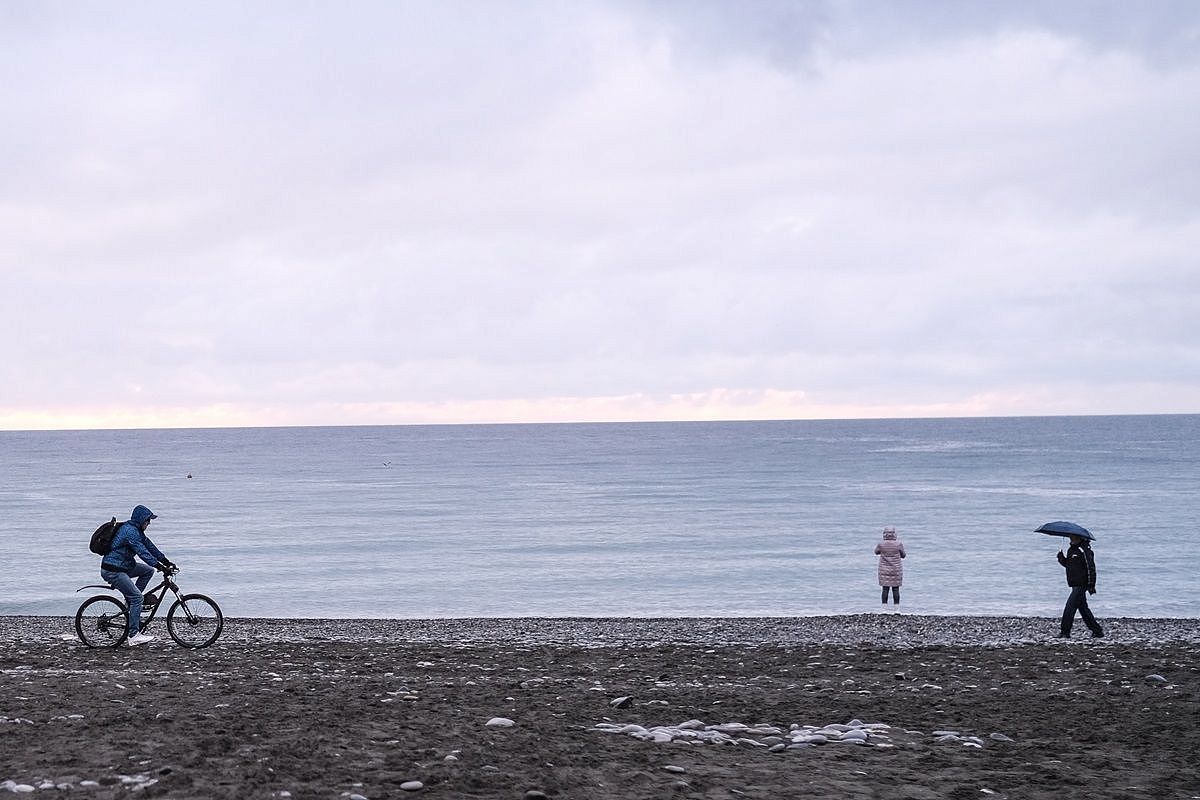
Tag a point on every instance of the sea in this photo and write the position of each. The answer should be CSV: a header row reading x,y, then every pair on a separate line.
x,y
711,519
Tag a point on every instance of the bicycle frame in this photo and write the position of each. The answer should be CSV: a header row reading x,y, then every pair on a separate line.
x,y
167,581
192,620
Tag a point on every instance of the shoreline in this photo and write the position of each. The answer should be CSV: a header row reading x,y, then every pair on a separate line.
x,y
891,630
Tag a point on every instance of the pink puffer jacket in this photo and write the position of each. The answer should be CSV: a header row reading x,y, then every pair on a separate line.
x,y
890,551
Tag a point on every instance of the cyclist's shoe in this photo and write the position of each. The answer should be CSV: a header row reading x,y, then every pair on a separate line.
x,y
139,638
149,601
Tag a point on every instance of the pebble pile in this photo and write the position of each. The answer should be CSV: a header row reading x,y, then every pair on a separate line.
x,y
775,739
132,782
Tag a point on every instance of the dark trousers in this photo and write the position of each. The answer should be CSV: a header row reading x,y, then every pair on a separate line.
x,y
1078,602
895,594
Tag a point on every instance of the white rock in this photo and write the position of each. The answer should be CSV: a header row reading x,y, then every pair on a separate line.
x,y
674,768
500,722
855,735
765,730
412,786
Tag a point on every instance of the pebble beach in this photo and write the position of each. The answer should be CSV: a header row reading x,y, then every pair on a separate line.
x,y
863,706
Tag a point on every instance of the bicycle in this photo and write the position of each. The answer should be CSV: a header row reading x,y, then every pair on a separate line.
x,y
194,620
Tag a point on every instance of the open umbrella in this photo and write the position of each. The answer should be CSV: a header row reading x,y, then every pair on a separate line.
x,y
1066,529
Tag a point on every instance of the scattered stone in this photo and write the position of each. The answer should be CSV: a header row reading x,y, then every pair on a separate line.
x,y
534,794
412,786
622,702
674,768
1156,678
500,722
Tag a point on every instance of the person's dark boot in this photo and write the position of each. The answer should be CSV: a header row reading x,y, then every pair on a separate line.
x,y
1098,634
1063,635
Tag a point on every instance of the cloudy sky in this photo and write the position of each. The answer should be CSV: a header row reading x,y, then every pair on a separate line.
x,y
387,212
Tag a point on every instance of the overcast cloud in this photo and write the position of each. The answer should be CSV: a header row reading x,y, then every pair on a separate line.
x,y
406,212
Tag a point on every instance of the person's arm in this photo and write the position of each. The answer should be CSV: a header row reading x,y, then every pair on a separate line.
x,y
157,553
137,542
877,550
902,553
1090,558
1061,558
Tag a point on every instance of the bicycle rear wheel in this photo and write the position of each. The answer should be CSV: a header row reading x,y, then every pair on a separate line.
x,y
195,621
102,621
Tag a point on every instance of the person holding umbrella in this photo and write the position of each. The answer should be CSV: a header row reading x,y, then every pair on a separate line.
x,y
1080,565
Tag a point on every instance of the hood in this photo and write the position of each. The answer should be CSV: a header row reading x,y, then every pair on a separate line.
x,y
889,532
141,515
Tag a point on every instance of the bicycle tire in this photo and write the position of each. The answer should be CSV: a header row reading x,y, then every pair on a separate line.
x,y
102,621
195,621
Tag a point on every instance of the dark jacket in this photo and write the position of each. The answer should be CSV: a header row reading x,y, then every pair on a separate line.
x,y
1081,566
130,540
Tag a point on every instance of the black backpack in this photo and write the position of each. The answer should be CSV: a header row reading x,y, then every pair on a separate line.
x,y
102,539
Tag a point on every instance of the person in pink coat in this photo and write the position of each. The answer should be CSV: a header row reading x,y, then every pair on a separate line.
x,y
891,570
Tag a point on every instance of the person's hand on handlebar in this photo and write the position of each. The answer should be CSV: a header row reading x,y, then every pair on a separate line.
x,y
167,568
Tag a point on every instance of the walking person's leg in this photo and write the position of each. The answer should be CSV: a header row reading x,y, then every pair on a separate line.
x,y
1068,616
133,597
884,597
896,595
1086,614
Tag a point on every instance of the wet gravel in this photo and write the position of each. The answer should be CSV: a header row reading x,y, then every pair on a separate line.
x,y
878,630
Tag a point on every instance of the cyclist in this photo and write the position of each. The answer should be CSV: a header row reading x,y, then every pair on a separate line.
x,y
126,575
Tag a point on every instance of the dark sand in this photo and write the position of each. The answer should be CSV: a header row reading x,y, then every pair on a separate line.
x,y
327,709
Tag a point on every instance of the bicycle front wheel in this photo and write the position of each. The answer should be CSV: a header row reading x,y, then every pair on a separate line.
x,y
195,621
102,621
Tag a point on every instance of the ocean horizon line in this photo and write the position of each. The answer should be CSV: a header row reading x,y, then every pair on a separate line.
x,y
613,422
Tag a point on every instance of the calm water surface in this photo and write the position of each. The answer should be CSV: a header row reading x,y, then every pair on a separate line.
x,y
651,519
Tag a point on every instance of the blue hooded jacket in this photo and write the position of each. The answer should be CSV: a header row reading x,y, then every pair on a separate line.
x,y
130,540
